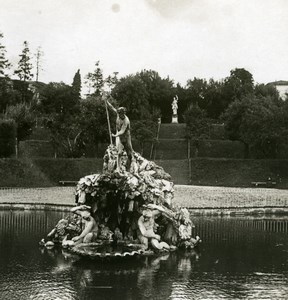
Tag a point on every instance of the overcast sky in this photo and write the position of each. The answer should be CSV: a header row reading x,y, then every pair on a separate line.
x,y
180,38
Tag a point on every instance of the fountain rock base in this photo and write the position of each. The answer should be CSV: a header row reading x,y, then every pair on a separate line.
x,y
124,213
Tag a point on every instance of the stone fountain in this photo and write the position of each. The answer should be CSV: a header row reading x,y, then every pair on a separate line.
x,y
121,213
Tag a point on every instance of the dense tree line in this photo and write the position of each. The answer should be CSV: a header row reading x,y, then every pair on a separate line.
x,y
252,113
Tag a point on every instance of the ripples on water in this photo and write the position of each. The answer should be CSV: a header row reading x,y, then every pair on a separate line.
x,y
240,258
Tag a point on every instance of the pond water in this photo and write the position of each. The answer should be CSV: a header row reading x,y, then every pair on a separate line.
x,y
240,258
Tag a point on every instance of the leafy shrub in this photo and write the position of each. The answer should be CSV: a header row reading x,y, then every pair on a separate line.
x,y
7,137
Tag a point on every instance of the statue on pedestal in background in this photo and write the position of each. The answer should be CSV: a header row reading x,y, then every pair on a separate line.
x,y
174,109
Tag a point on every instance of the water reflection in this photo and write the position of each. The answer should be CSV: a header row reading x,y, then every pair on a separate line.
x,y
240,258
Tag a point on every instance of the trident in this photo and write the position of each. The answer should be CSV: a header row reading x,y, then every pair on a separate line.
x,y
108,119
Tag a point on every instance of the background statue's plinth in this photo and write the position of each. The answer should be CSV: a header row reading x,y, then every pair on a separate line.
x,y
174,118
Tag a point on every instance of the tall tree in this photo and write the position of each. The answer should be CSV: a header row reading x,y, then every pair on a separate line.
x,y
239,84
160,93
95,80
92,121
60,110
24,116
24,71
131,92
142,131
212,100
266,90
56,98
244,76
8,95
39,54
76,86
259,122
4,63
197,123
111,81
197,128
196,89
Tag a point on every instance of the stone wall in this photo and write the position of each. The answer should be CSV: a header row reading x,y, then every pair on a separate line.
x,y
238,172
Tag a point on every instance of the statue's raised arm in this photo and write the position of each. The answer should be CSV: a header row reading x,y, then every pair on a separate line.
x,y
111,107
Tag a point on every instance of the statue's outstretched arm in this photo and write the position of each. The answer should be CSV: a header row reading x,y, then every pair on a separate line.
x,y
155,207
160,209
77,209
110,105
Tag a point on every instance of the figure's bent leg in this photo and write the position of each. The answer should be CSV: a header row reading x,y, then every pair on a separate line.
x,y
88,238
79,241
119,147
143,240
165,246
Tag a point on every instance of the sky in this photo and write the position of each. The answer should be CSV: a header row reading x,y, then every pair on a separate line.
x,y
181,39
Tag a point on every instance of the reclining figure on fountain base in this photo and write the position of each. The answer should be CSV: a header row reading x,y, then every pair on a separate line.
x,y
146,228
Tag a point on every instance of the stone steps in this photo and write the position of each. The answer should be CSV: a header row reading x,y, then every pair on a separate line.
x,y
172,131
171,149
171,152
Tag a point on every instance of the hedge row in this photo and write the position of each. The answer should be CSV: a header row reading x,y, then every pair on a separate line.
x,y
21,173
217,149
238,172
45,171
36,148
213,172
68,169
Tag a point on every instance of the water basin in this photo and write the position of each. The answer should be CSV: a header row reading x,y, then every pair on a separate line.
x,y
240,258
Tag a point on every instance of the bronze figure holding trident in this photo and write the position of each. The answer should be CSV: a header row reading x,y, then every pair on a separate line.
x,y
122,135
